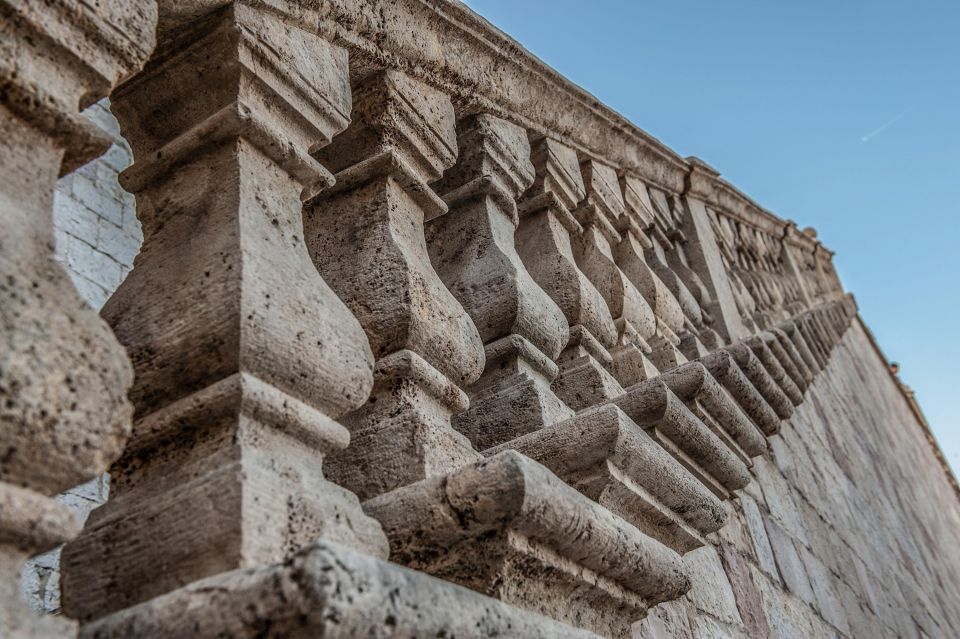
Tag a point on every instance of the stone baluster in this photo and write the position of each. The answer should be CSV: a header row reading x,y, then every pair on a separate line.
x,y
243,355
543,242
630,257
474,252
593,249
64,414
367,238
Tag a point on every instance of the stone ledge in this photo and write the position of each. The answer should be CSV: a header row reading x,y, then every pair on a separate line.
x,y
325,591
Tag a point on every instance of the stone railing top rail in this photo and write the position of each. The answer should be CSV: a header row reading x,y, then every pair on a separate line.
x,y
484,69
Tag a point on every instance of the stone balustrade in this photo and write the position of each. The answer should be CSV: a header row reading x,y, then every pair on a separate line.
x,y
406,298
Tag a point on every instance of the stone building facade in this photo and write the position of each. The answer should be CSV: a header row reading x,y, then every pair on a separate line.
x,y
422,340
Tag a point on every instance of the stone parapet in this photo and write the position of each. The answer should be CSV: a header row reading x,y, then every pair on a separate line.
x,y
406,291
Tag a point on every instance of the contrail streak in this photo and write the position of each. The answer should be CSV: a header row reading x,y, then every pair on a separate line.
x,y
883,127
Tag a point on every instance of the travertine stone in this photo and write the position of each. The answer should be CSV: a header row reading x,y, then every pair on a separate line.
x,y
327,591
602,453
543,241
793,331
235,399
366,236
761,379
64,414
474,253
653,406
668,260
713,405
786,360
593,248
704,258
790,349
635,225
723,368
774,368
509,528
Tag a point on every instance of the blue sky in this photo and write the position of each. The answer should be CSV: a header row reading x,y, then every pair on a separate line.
x,y
842,115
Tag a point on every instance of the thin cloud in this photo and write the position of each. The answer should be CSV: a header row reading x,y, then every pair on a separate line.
x,y
883,127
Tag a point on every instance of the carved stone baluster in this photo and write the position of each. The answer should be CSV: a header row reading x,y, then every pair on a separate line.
x,y
64,414
634,319
243,355
367,238
630,257
474,253
543,241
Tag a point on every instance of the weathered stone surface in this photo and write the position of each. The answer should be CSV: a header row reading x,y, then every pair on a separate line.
x,y
621,261
544,243
745,591
366,236
725,370
507,527
474,253
325,590
236,401
606,456
712,404
655,407
593,248
711,591
64,415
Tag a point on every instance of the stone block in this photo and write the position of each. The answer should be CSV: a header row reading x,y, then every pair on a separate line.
x,y
789,562
748,598
711,591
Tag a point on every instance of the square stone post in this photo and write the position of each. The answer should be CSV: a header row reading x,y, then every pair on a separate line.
x,y
367,238
593,248
544,243
704,254
64,414
475,255
243,355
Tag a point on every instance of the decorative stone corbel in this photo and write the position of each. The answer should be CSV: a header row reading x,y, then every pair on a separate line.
x,y
654,407
606,456
474,252
707,399
543,242
64,413
244,357
366,236
507,527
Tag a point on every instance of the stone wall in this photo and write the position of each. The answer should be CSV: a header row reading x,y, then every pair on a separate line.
x,y
850,529
412,350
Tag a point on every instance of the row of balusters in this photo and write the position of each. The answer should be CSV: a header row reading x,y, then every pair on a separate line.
x,y
362,316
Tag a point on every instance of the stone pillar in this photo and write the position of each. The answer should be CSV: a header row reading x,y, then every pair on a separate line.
x,y
64,414
634,319
704,253
543,241
474,253
243,355
367,238
630,257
